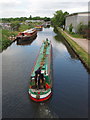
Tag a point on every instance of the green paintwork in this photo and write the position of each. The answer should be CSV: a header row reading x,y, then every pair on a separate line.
x,y
40,57
46,67
35,93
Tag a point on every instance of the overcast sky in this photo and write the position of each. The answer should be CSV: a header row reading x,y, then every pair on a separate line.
x,y
25,8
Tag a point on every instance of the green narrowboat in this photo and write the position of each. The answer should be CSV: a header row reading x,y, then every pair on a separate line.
x,y
40,88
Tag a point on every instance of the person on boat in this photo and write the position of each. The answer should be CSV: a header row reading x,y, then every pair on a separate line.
x,y
38,71
43,80
38,81
37,74
47,41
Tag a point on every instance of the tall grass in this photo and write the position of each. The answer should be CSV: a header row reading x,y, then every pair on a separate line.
x,y
4,38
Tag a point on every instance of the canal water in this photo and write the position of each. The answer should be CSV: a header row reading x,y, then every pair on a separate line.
x,y
70,80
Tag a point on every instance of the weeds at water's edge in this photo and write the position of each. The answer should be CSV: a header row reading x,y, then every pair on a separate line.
x,y
4,38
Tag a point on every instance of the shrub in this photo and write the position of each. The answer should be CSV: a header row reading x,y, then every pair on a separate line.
x,y
83,30
70,27
80,28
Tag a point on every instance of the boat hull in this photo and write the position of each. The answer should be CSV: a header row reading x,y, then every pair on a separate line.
x,y
25,42
25,38
39,29
40,100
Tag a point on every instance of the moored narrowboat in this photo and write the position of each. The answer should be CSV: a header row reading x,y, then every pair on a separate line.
x,y
40,88
27,35
39,27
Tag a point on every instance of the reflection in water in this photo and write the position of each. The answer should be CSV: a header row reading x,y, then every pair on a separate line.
x,y
25,42
61,39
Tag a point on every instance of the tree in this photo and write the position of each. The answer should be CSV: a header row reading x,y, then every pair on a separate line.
x,y
59,18
46,19
30,17
36,18
64,15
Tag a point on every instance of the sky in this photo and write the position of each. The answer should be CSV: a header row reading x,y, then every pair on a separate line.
x,y
42,8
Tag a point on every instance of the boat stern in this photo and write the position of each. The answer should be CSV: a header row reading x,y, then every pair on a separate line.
x,y
39,96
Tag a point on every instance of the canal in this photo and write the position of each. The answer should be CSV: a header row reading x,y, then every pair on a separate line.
x,y
70,81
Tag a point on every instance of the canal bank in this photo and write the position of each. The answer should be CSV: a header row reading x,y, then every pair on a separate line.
x,y
79,51
7,38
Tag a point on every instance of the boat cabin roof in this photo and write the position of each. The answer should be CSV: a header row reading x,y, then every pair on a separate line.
x,y
29,31
45,66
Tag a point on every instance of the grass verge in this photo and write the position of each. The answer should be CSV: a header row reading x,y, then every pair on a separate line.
x,y
75,35
24,27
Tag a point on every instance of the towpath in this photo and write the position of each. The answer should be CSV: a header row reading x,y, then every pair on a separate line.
x,y
84,43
